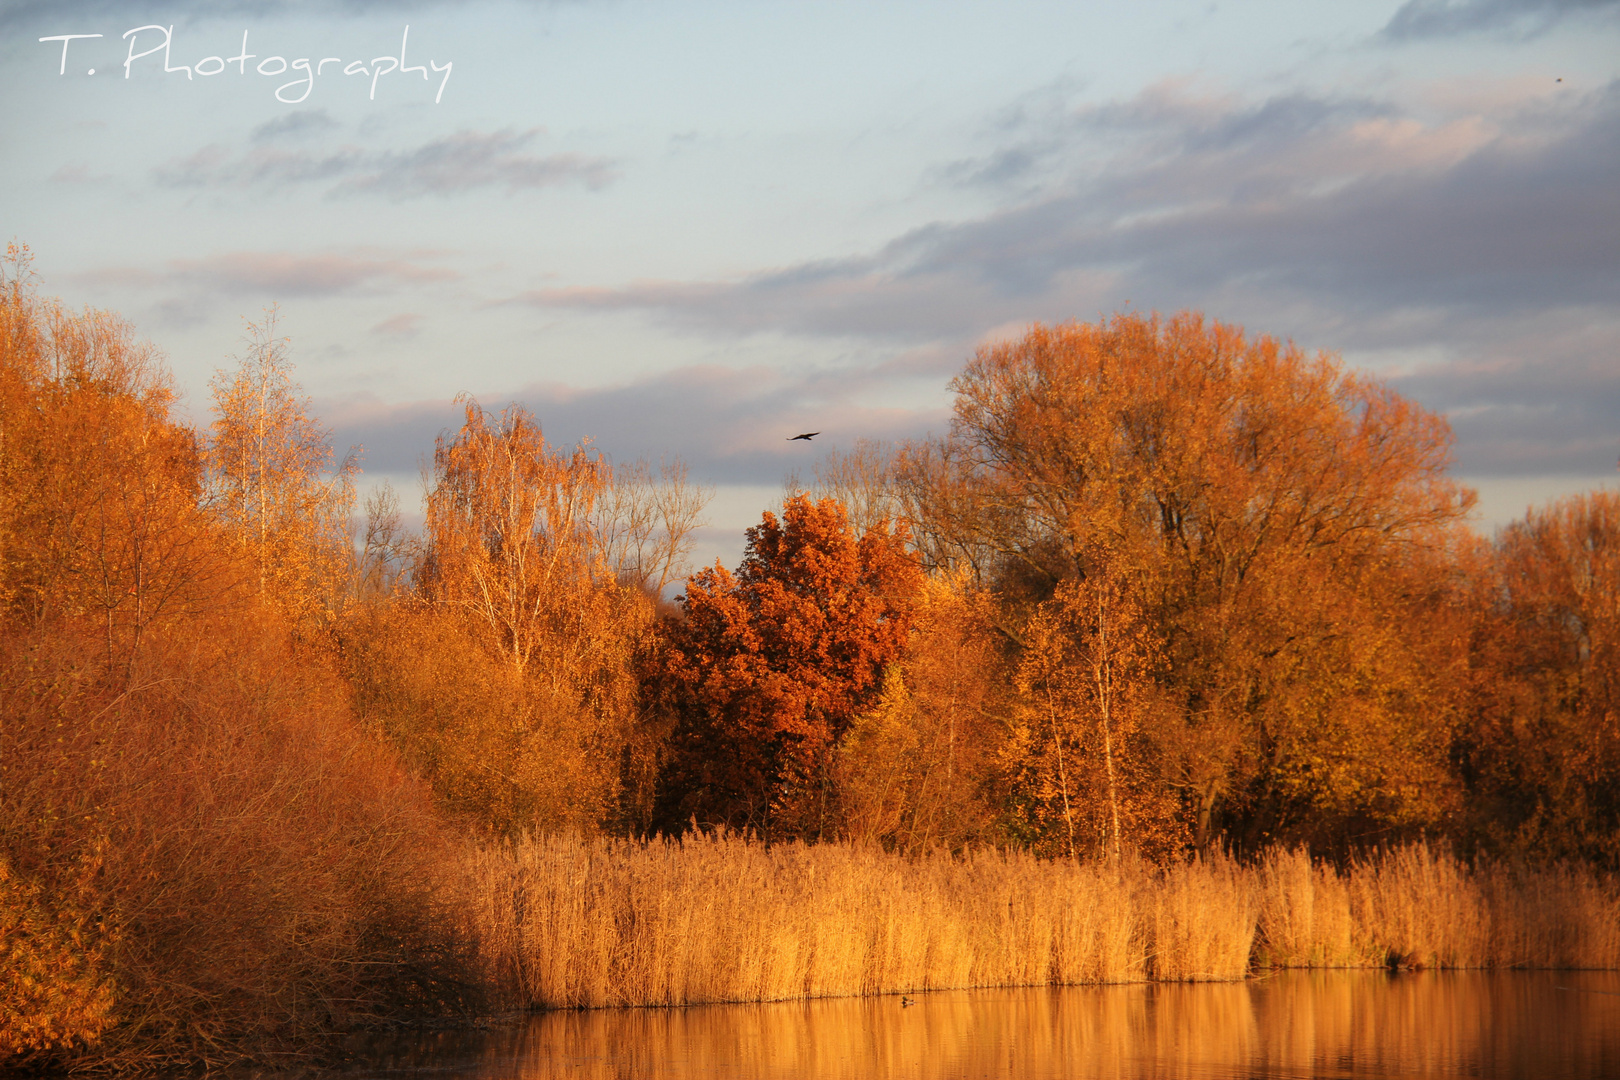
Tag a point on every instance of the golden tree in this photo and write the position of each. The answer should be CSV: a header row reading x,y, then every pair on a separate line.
x,y
1086,690
1542,749
274,481
1252,489
99,489
510,539
506,672
919,769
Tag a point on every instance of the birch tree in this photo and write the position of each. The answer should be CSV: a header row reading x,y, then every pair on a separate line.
x,y
275,481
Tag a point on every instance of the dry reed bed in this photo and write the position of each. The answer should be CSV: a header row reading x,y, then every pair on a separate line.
x,y
566,922
1419,907
563,922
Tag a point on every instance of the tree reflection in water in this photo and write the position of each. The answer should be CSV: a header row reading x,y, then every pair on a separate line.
x,y
1296,1024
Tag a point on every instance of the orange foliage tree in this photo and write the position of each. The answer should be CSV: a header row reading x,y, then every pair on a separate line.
x,y
275,482
1542,750
507,673
769,667
509,538
1079,733
920,769
201,857
1256,493
99,517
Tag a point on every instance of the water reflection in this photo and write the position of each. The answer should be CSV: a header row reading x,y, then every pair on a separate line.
x,y
1338,1024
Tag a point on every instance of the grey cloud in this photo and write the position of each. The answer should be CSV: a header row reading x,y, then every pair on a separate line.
x,y
464,161
470,159
729,425
1343,224
1534,400
294,124
278,275
1445,18
1515,222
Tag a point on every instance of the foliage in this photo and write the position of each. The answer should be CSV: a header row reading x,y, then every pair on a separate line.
x,y
202,858
1088,777
769,667
1257,496
1542,750
1162,582
273,483
99,519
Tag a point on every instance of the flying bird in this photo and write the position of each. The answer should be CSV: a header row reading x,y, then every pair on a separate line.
x,y
807,436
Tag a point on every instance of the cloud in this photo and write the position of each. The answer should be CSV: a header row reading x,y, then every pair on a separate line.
x,y
464,161
399,326
1383,215
729,425
1466,238
1447,18
294,124
78,173
1534,400
278,274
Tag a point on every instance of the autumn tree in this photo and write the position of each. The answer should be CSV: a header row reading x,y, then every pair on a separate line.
x,y
1085,683
99,487
274,480
769,667
920,769
506,670
1542,749
1254,491
201,857
508,538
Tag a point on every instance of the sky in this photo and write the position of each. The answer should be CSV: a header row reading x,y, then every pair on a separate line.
x,y
693,229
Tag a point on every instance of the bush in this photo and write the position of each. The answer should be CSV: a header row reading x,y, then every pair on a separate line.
x,y
208,861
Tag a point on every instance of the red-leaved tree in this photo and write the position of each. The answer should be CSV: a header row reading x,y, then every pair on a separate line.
x,y
769,666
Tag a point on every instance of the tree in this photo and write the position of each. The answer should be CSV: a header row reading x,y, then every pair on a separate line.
x,y
1086,690
506,673
1542,748
919,770
1252,491
509,539
99,488
860,478
646,519
273,480
769,667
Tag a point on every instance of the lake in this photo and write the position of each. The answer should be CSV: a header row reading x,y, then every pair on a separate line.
x,y
1543,1025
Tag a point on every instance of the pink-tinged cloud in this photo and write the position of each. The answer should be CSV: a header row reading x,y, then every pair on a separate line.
x,y
280,274
460,162
399,326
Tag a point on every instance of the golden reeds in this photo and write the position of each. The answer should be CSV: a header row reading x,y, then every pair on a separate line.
x,y
570,922
1418,906
567,922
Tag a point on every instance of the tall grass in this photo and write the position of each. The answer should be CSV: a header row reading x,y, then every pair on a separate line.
x,y
568,922
1418,906
573,922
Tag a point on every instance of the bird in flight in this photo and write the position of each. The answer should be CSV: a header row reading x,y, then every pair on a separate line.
x,y
807,436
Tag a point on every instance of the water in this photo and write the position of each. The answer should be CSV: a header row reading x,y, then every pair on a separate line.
x,y
1542,1025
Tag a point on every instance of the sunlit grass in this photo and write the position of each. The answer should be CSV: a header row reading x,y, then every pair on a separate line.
x,y
565,922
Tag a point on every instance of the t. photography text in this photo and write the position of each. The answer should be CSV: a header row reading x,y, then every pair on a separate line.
x,y
150,40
